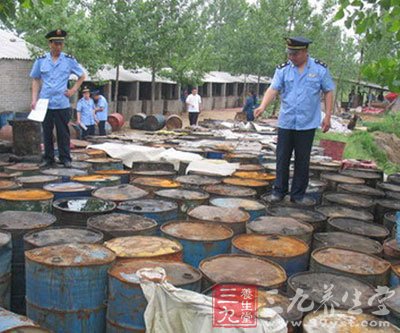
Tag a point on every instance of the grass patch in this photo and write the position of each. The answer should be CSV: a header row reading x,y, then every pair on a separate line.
x,y
388,124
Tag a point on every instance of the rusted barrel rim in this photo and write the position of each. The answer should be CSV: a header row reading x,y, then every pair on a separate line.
x,y
330,219
161,193
57,202
129,203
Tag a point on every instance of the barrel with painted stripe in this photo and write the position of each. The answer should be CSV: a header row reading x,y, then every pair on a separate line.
x,y
76,211
105,164
347,241
9,185
18,223
66,287
69,190
200,240
286,226
125,175
395,275
334,179
64,173
370,178
186,199
27,169
356,202
196,182
233,218
119,193
384,206
332,211
316,219
97,180
5,269
391,250
60,236
122,225
37,181
345,321
253,207
145,247
358,227
159,210
365,267
35,200
222,190
364,190
13,323
260,186
317,285
126,302
290,253
242,269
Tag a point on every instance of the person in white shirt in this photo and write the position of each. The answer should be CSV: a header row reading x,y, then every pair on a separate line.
x,y
193,102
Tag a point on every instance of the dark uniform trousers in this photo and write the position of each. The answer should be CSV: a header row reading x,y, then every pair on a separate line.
x,y
90,131
102,127
193,116
59,118
301,142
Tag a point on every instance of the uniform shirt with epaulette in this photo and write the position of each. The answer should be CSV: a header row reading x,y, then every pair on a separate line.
x,y
55,76
300,93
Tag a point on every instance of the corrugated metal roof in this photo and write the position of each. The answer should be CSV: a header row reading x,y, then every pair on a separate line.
x,y
13,47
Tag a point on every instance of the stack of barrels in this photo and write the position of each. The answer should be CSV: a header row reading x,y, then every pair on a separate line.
x,y
80,235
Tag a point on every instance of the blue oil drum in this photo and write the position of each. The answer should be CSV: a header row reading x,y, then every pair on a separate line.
x,y
215,155
69,190
18,224
66,287
14,323
253,207
159,210
126,302
290,253
5,269
200,240
64,173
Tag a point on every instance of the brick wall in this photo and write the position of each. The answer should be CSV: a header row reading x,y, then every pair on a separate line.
x,y
15,92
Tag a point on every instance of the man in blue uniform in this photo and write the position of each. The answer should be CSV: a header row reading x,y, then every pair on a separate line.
x,y
299,83
50,74
85,110
101,111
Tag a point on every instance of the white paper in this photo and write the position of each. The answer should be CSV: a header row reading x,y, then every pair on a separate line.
x,y
40,110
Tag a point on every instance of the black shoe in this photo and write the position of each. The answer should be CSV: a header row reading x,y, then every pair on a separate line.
x,y
67,164
304,201
274,198
48,164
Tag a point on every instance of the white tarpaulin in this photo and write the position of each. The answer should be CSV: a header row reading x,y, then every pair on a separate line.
x,y
213,167
173,310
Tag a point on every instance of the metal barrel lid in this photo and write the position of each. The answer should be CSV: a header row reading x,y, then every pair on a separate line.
x,y
389,204
273,246
177,273
391,249
153,173
156,182
27,329
243,269
95,178
143,247
26,195
12,322
64,172
316,285
182,194
348,200
394,178
246,204
336,177
147,206
151,165
340,211
84,204
388,187
22,167
71,255
103,160
68,187
393,303
286,226
112,172
236,181
96,153
62,235
8,185
360,174
348,241
254,175
122,192
5,238
272,299
358,227
38,179
197,180
250,167
351,261
345,321
297,213
328,164
218,214
230,190
197,231
25,220
80,165
121,222
361,189
5,175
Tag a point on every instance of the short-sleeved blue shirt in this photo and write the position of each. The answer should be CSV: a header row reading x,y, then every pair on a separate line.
x,y
102,103
300,94
86,107
55,76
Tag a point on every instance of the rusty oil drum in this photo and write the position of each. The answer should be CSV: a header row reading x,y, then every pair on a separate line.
x,y
27,169
105,164
125,175
37,181
334,179
97,180
64,173
119,193
222,190
35,200
196,182
333,211
253,207
185,199
69,190
13,323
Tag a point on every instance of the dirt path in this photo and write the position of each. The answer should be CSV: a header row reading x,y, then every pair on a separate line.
x,y
224,114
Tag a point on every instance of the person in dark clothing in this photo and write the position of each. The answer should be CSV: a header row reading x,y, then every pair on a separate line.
x,y
248,106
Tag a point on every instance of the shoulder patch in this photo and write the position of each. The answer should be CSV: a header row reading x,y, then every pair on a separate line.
x,y
283,65
319,62
69,56
42,56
